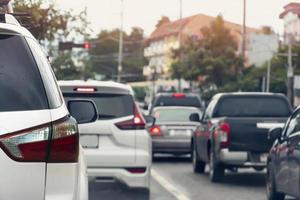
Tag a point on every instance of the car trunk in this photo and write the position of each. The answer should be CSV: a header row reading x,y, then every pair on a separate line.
x,y
177,130
251,134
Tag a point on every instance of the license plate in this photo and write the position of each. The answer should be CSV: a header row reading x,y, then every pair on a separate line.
x,y
181,133
89,141
264,158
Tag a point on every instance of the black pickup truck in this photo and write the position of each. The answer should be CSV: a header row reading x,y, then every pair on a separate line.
x,y
233,132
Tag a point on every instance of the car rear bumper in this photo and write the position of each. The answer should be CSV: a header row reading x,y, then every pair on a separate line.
x,y
239,158
121,175
171,145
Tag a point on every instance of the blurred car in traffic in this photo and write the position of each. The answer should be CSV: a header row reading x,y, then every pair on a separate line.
x,y
176,99
234,131
117,146
283,169
173,129
40,153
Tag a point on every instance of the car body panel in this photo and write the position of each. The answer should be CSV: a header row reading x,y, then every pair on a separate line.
x,y
108,149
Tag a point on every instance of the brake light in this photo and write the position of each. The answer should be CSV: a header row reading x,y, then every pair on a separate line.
x,y
136,123
223,132
64,145
155,131
178,95
85,90
34,145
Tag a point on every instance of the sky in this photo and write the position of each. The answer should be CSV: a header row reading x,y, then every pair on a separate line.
x,y
105,14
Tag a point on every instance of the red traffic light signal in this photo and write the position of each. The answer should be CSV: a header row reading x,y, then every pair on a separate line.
x,y
86,45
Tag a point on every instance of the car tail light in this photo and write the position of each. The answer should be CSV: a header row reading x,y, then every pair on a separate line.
x,y
136,123
64,145
34,145
139,170
155,131
179,95
30,145
223,132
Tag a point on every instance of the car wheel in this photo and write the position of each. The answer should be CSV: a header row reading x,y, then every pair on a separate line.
x,y
272,194
198,165
216,171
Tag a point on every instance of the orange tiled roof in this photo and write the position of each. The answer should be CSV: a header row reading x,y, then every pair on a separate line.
x,y
291,7
192,26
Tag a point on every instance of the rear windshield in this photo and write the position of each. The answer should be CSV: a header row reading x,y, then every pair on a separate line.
x,y
21,85
173,114
110,106
253,107
173,101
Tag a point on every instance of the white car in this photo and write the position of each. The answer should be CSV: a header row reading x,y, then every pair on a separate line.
x,y
117,145
40,154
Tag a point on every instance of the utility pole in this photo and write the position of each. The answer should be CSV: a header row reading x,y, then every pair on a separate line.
x,y
268,75
179,39
120,59
290,73
180,12
244,32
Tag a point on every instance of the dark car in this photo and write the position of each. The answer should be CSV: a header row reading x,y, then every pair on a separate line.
x,y
234,131
176,99
173,130
283,168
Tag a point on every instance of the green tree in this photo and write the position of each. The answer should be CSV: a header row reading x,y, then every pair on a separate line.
x,y
105,54
213,57
50,23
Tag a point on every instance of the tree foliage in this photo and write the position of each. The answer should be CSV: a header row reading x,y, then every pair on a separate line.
x,y
105,54
50,23
213,59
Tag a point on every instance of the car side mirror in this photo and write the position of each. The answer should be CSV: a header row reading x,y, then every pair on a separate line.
x,y
84,111
275,133
195,117
150,121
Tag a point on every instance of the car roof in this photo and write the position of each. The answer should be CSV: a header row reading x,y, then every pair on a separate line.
x,y
14,29
220,95
102,86
171,94
175,107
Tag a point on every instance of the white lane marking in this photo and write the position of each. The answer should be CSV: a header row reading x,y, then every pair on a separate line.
x,y
168,186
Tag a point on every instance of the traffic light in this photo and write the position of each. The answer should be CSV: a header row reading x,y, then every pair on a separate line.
x,y
70,45
86,45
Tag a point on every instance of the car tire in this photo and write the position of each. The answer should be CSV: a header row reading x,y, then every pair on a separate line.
x,y
198,165
216,170
272,194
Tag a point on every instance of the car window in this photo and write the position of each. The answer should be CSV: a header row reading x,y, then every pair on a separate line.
x,y
110,106
52,89
21,85
253,106
173,114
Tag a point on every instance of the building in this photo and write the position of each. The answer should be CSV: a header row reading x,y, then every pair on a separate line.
x,y
262,47
171,35
291,20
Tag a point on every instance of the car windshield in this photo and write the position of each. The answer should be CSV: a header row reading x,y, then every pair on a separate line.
x,y
110,106
173,114
253,107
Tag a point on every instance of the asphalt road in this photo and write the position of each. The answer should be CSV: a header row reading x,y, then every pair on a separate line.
x,y
173,178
